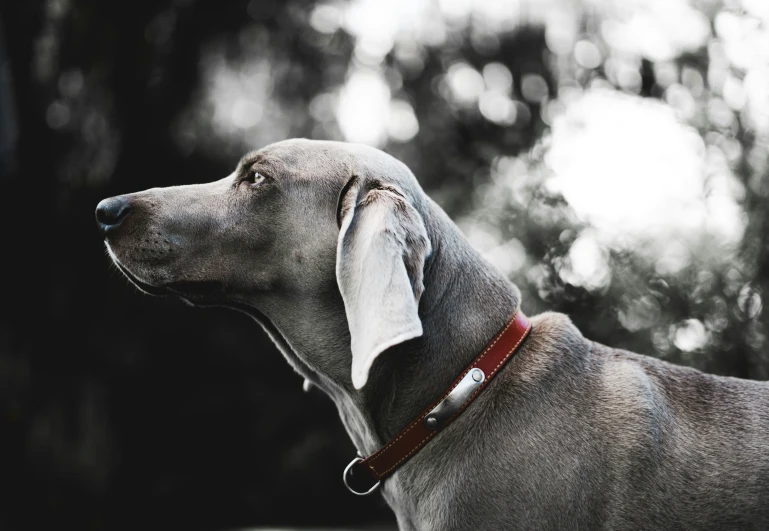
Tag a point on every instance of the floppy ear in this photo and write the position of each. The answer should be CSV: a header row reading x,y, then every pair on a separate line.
x,y
380,259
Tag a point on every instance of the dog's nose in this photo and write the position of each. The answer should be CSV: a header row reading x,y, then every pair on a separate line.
x,y
110,212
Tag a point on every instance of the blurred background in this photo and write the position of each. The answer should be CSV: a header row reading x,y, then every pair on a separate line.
x,y
610,156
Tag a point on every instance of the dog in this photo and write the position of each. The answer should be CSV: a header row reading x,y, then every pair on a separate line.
x,y
374,296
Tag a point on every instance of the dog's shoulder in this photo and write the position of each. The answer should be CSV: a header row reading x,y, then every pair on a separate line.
x,y
555,348
553,330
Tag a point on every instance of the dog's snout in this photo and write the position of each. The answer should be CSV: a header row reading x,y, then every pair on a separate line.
x,y
111,211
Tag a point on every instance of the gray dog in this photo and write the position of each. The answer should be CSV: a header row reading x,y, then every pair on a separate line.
x,y
374,296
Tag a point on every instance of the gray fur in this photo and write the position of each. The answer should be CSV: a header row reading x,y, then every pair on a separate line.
x,y
570,435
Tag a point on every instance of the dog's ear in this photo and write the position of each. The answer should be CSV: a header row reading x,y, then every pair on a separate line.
x,y
380,259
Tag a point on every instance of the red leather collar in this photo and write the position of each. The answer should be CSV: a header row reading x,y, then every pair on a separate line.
x,y
363,475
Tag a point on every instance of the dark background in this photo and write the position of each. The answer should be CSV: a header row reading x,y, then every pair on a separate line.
x,y
118,410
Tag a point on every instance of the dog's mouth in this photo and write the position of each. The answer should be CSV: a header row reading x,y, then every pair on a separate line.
x,y
149,289
180,288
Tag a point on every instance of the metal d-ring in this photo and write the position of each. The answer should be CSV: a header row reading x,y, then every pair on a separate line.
x,y
344,478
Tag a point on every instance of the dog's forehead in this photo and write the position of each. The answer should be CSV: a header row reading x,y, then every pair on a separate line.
x,y
320,155
332,163
302,156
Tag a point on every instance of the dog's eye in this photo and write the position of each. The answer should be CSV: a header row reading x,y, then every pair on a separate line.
x,y
254,178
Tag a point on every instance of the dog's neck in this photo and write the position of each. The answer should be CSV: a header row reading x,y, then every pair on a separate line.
x,y
465,303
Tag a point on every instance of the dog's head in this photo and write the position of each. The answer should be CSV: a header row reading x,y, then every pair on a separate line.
x,y
298,221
